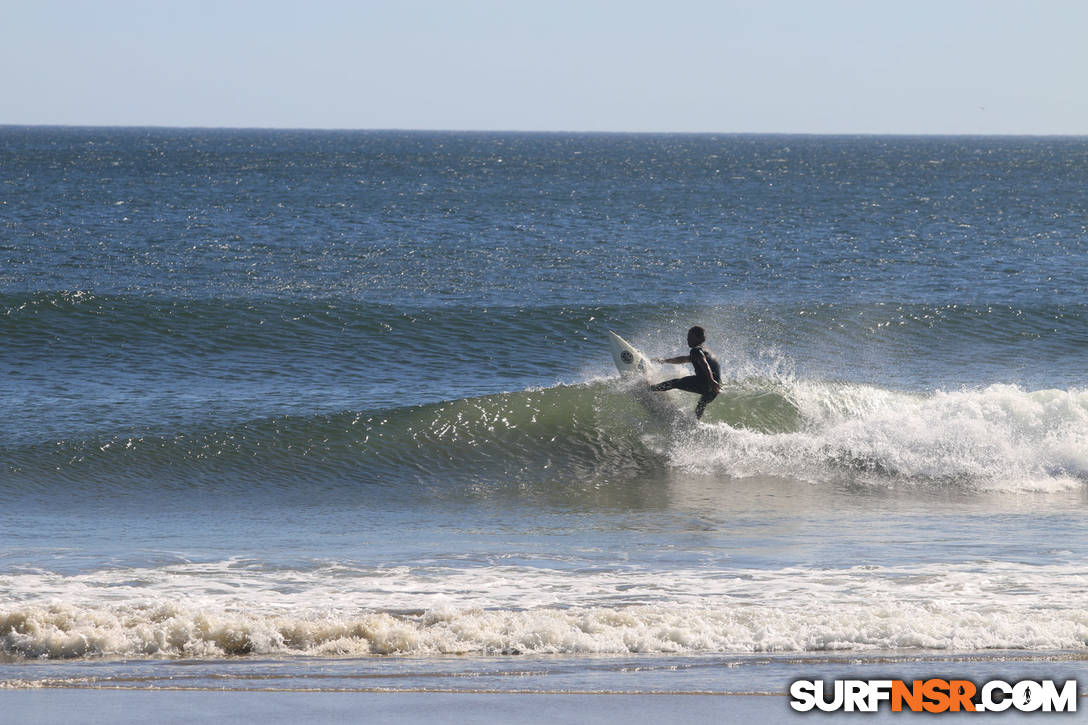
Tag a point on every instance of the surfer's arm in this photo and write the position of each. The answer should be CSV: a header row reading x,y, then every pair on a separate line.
x,y
673,360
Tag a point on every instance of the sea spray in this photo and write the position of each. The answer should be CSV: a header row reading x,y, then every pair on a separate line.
x,y
999,437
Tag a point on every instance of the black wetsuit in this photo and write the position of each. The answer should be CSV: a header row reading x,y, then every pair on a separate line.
x,y
698,382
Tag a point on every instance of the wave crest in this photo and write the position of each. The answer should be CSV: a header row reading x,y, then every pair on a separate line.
x,y
1000,437
69,632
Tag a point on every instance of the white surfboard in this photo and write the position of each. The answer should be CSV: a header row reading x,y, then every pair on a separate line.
x,y
629,361
637,368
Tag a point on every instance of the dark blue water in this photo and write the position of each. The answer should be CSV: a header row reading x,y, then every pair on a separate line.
x,y
349,394
434,219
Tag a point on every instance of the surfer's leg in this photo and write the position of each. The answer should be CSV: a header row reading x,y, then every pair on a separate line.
x,y
700,407
689,384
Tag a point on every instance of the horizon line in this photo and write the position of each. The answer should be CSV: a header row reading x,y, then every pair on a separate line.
x,y
391,129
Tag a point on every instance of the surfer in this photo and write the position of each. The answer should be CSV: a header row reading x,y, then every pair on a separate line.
x,y
707,380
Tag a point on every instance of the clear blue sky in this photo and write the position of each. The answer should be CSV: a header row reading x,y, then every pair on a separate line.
x,y
813,66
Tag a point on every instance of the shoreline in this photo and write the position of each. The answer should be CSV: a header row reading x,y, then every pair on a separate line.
x,y
54,707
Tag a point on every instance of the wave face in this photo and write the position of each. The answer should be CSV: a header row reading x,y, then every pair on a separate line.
x,y
996,437
149,392
136,393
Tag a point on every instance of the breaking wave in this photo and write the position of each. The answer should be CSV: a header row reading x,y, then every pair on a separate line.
x,y
1000,436
515,610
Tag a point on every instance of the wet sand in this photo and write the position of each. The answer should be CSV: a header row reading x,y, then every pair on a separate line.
x,y
126,707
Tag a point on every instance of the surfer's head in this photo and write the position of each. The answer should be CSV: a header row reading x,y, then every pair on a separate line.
x,y
696,336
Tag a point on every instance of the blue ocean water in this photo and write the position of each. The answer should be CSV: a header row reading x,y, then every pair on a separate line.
x,y
336,410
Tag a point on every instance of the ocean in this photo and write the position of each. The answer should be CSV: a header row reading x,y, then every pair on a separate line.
x,y
335,411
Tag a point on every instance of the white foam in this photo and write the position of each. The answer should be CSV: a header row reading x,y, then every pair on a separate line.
x,y
1000,437
230,609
